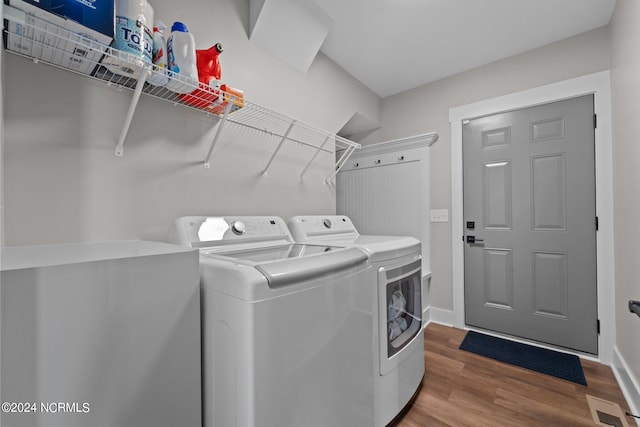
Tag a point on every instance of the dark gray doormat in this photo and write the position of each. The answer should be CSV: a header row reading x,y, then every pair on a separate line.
x,y
545,361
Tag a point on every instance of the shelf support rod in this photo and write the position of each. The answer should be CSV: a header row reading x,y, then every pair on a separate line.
x,y
284,138
220,125
314,157
340,163
132,108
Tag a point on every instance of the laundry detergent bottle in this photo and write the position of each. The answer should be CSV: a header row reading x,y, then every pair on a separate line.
x,y
208,61
159,58
209,74
181,52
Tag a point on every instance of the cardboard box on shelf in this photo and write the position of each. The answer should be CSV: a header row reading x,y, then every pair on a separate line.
x,y
98,15
53,39
228,94
35,36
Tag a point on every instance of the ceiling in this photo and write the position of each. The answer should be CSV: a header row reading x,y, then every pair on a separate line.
x,y
395,45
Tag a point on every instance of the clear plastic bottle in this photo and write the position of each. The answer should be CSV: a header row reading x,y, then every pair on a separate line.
x,y
181,51
159,59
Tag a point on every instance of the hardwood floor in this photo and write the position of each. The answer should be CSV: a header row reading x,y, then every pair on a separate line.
x,y
464,389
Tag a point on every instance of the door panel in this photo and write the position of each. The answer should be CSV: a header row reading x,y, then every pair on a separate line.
x,y
497,194
496,137
498,278
548,192
550,284
529,189
546,130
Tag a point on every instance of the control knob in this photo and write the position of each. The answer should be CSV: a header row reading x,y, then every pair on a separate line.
x,y
327,222
238,228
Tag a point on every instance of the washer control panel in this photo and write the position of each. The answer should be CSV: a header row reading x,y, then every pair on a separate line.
x,y
200,231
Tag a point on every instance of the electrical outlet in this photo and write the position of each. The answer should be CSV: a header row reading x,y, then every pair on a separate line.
x,y
439,215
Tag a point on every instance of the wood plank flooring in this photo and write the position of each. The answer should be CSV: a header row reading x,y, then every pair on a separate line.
x,y
464,389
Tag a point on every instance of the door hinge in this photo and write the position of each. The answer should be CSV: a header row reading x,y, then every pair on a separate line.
x,y
595,121
597,224
598,326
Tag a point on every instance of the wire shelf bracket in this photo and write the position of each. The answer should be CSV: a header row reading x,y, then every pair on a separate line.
x,y
220,125
284,138
132,109
340,163
314,157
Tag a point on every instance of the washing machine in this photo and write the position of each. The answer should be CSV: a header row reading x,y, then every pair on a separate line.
x,y
395,289
286,329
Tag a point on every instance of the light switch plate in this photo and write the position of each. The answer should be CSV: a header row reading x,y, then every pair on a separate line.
x,y
439,215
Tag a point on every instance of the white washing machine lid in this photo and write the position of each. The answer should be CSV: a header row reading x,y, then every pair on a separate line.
x,y
292,263
254,256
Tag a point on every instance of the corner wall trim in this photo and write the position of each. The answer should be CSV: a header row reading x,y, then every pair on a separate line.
x,y
628,384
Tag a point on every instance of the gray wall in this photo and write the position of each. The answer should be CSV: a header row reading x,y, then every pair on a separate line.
x,y
63,183
426,109
625,93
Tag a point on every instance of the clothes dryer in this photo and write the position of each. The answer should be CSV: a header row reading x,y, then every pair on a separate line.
x,y
395,289
286,327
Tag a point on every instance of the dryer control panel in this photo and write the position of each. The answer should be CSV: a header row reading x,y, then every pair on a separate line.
x,y
310,227
211,231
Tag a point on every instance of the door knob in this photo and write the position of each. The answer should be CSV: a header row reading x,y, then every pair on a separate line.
x,y
634,307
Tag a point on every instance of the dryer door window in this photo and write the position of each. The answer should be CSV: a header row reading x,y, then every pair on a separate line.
x,y
403,292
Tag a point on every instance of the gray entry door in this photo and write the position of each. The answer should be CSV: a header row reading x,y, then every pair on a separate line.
x,y
529,202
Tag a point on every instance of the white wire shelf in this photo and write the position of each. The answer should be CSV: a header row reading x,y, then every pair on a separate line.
x,y
42,41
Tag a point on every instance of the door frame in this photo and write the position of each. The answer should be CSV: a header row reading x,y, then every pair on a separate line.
x,y
599,85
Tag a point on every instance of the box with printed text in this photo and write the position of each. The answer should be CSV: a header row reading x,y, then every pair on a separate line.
x,y
98,15
56,40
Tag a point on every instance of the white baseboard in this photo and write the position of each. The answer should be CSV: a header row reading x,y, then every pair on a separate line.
x,y
629,385
438,315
